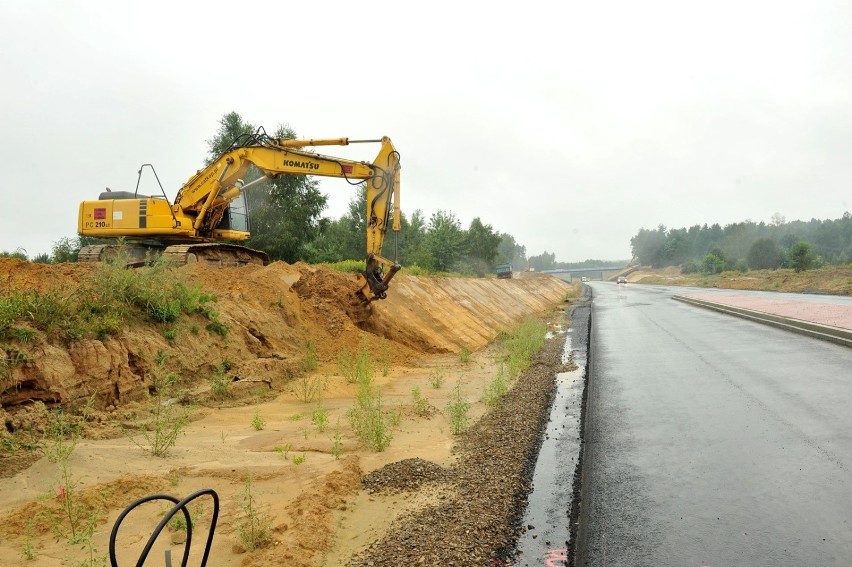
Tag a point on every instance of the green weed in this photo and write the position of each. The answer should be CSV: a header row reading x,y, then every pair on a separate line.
x,y
258,422
220,382
458,409
319,418
421,404
253,524
496,389
285,450
309,388
436,378
168,417
337,441
356,368
217,328
309,363
522,343
367,417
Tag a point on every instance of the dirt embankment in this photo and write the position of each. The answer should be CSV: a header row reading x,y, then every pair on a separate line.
x,y
271,313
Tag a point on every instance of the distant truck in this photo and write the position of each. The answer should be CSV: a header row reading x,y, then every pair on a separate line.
x,y
503,270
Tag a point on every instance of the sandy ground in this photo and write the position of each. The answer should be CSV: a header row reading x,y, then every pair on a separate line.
x,y
318,514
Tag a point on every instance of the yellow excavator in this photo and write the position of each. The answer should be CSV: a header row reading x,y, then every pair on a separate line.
x,y
209,212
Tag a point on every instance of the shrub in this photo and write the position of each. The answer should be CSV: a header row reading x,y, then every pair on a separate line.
x,y
802,256
764,254
690,267
713,262
337,441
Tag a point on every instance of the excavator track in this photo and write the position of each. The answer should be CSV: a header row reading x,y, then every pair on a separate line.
x,y
215,254
134,254
138,254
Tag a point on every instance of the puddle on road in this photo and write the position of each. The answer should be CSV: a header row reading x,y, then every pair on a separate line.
x,y
545,533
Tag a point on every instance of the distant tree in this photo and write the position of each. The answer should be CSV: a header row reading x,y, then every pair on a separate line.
x,y
413,250
445,241
649,246
677,247
802,256
329,243
509,251
285,212
764,254
482,245
350,231
778,220
544,261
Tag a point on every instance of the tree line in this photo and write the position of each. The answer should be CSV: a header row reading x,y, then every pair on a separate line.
x,y
800,245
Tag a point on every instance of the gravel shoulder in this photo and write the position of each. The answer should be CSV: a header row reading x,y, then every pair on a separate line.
x,y
475,519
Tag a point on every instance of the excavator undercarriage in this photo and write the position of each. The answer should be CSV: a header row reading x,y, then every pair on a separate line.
x,y
211,253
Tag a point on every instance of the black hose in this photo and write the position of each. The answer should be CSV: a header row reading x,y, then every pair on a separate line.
x,y
179,505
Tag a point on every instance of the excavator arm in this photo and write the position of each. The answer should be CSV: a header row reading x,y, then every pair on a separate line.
x,y
205,196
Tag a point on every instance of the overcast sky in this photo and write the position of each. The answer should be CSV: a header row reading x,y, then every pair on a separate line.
x,y
569,125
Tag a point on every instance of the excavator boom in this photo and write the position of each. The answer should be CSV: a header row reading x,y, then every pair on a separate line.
x,y
200,210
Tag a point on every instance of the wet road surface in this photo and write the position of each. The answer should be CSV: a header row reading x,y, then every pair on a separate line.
x,y
712,440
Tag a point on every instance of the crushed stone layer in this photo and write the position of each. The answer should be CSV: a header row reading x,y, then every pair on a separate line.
x,y
478,524
829,314
400,476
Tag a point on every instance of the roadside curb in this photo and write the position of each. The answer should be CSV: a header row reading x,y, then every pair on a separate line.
x,y
824,332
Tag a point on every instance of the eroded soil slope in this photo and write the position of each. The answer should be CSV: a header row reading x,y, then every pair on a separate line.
x,y
270,312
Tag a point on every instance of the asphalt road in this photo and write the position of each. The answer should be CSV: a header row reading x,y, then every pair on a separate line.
x,y
711,440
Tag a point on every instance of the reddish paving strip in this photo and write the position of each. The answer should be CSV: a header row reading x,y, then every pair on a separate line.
x,y
821,313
